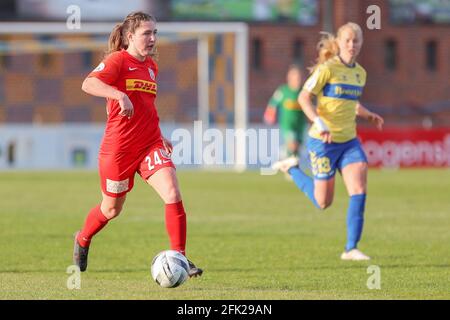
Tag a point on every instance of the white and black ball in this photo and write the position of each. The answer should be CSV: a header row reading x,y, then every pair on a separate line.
x,y
170,269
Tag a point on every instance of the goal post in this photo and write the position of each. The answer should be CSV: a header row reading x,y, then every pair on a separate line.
x,y
201,32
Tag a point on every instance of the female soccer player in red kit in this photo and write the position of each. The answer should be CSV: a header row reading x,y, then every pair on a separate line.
x,y
132,141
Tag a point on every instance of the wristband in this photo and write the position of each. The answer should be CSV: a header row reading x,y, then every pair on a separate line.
x,y
320,125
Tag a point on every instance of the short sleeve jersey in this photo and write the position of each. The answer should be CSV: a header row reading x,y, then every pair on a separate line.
x,y
137,79
338,88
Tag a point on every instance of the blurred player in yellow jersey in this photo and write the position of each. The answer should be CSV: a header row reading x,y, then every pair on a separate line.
x,y
337,81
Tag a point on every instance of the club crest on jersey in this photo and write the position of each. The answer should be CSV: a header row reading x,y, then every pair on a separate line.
x,y
100,67
358,78
152,74
164,153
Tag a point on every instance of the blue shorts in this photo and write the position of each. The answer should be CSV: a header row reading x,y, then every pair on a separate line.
x,y
325,158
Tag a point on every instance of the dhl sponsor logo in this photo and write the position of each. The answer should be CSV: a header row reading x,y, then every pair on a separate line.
x,y
141,85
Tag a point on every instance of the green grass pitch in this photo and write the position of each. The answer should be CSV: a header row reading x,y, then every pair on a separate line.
x,y
257,237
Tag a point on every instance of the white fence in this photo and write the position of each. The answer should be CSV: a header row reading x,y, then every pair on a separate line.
x,y
33,147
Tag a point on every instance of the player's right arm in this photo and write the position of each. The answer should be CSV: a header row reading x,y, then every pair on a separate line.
x,y
100,82
312,87
98,88
270,115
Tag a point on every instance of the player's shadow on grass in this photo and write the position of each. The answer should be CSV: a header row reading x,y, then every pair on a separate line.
x,y
96,271
345,265
403,266
342,265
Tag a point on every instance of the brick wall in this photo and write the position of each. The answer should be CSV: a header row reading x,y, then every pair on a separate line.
x,y
277,44
410,85
33,91
45,87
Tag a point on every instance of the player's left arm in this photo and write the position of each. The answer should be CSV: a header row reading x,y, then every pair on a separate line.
x,y
373,117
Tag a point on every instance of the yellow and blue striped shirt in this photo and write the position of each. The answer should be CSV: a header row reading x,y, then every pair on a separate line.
x,y
338,88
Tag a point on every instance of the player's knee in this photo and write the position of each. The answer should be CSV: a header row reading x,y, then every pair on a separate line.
x,y
359,190
111,212
324,204
172,195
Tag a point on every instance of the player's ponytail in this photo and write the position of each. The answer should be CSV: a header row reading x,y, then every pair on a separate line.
x,y
118,37
115,42
327,48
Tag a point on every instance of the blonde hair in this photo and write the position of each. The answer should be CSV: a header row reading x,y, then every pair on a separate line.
x,y
328,47
118,37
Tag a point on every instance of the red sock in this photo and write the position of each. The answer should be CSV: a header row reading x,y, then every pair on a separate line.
x,y
176,226
95,221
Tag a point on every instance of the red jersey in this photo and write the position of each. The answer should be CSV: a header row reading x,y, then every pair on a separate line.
x,y
137,79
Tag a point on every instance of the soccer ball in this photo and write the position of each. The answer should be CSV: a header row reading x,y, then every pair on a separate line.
x,y
169,269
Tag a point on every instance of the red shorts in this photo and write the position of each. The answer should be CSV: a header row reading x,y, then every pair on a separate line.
x,y
117,170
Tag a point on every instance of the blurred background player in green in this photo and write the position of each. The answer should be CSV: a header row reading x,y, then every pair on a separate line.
x,y
284,105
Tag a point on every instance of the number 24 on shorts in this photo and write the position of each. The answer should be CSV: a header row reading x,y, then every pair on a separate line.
x,y
156,160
